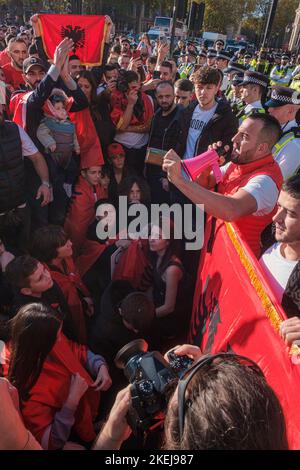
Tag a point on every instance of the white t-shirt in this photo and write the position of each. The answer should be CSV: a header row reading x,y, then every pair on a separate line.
x,y
263,189
28,147
277,269
198,122
288,157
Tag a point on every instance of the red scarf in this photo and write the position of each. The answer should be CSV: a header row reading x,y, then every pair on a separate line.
x,y
51,390
82,211
71,284
119,103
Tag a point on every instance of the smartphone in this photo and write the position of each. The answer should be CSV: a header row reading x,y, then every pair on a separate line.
x,y
156,74
136,54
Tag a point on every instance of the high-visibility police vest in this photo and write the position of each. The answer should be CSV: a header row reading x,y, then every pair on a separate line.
x,y
280,74
186,70
242,116
295,83
290,135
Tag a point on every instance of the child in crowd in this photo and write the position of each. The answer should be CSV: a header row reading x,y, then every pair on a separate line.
x,y
92,186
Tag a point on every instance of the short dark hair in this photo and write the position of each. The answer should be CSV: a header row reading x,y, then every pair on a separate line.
x,y
73,57
231,407
46,241
20,269
138,310
207,75
184,84
116,48
292,185
168,64
152,59
164,83
271,130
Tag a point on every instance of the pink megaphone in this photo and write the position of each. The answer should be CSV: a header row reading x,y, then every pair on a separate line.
x,y
196,165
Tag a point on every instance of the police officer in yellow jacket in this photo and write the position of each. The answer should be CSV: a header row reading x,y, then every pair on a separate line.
x,y
282,74
284,105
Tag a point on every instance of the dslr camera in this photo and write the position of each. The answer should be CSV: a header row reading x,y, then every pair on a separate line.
x,y
152,379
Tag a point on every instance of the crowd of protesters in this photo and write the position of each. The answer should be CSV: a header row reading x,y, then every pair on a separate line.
x,y
73,140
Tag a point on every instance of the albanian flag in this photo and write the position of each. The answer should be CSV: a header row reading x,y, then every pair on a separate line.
x,y
87,32
235,311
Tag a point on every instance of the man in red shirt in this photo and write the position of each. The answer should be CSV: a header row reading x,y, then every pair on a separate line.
x,y
18,52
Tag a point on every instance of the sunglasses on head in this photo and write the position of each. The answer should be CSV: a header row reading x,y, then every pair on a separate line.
x,y
184,403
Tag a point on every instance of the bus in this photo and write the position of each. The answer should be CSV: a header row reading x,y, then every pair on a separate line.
x,y
163,27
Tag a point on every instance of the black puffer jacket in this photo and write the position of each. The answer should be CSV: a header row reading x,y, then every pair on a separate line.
x,y
12,174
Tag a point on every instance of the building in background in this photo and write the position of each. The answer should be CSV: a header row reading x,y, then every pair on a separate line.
x,y
295,36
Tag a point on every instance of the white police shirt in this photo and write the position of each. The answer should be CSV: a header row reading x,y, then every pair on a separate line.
x,y
287,157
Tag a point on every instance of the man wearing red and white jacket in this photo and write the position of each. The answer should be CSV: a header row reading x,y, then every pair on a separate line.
x,y
251,181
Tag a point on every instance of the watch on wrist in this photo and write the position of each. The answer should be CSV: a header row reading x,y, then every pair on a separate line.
x,y
46,183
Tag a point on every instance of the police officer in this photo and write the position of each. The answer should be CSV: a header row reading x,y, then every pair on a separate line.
x,y
211,57
219,45
255,86
247,61
187,67
234,94
284,105
222,60
282,74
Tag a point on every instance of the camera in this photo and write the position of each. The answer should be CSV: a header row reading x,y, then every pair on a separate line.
x,y
152,379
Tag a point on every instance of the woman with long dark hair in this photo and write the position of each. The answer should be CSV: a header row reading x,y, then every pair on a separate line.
x,y
99,108
51,246
167,279
132,112
53,375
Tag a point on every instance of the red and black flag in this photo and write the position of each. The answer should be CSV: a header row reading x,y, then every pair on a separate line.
x,y
235,310
87,32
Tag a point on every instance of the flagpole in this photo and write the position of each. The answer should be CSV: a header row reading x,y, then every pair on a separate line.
x,y
175,6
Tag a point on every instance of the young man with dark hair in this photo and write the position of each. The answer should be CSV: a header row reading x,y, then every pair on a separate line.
x,y
32,282
165,70
163,136
281,262
207,120
251,181
184,89
13,71
125,315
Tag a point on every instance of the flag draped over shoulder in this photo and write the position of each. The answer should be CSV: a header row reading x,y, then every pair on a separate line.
x,y
235,310
87,32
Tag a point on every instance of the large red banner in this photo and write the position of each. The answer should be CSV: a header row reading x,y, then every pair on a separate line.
x,y
235,310
87,32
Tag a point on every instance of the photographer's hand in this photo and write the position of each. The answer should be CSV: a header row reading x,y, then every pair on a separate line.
x,y
116,430
194,352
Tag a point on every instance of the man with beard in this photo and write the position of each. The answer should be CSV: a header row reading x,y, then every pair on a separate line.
x,y
163,136
281,262
13,71
16,146
251,181
26,109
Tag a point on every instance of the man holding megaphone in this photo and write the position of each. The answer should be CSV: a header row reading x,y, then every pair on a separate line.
x,y
251,181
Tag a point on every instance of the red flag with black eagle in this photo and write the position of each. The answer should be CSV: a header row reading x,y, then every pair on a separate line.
x,y
87,31
236,311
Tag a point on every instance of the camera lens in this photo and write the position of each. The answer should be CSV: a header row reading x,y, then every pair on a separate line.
x,y
145,387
